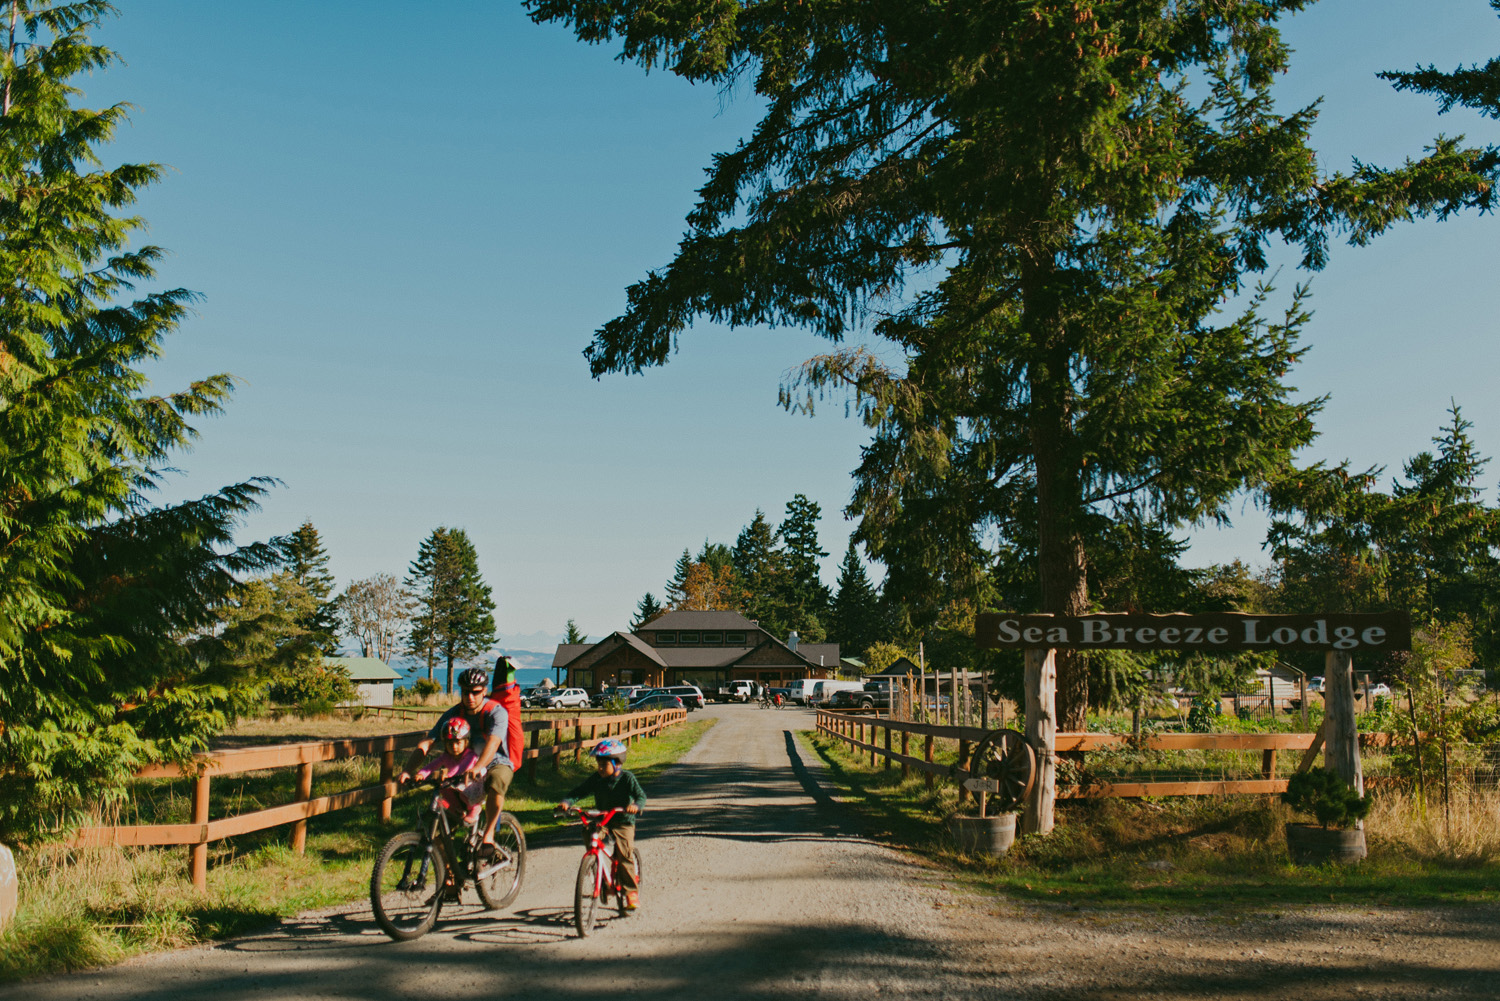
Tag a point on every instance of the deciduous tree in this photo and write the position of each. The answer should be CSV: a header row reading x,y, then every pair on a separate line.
x,y
376,612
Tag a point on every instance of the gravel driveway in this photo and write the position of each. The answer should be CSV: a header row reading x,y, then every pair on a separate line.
x,y
755,888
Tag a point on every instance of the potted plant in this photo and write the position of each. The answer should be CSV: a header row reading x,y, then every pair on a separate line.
x,y
1337,836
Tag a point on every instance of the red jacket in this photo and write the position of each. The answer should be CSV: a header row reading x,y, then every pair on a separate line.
x,y
509,697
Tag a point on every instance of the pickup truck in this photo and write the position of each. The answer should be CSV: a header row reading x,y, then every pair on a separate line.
x,y
873,695
736,691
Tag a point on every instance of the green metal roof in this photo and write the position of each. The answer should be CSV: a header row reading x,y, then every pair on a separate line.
x,y
364,669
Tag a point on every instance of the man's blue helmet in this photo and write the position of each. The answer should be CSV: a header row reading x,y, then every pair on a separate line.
x,y
610,748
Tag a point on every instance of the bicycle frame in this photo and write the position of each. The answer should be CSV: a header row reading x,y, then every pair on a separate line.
x,y
605,878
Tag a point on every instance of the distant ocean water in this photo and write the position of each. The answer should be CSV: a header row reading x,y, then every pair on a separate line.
x,y
410,670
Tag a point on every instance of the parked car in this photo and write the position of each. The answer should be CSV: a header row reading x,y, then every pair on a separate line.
x,y
656,700
691,695
568,698
536,696
823,689
1315,683
627,692
1376,691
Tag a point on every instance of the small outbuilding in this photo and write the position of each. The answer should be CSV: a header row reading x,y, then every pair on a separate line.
x,y
373,678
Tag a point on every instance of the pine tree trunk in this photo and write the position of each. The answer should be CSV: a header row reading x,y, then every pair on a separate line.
x,y
1061,560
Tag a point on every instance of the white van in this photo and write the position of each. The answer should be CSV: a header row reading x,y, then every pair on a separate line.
x,y
798,691
822,690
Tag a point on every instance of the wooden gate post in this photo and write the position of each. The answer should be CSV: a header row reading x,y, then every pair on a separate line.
x,y
1041,734
927,755
1341,743
905,750
198,853
963,764
887,747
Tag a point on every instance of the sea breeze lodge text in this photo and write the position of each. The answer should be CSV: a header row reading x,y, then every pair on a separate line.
x,y
1212,631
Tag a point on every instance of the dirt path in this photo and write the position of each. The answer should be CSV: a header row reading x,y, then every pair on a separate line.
x,y
755,889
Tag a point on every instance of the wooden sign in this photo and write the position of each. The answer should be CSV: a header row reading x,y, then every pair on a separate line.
x,y
1212,632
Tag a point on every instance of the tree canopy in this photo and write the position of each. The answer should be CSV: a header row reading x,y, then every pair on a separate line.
x,y
1044,208
455,618
112,653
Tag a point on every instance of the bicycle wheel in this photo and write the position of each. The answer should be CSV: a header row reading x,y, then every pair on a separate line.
x,y
499,878
639,881
585,897
406,886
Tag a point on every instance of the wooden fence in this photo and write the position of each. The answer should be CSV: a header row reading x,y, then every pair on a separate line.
x,y
200,831
863,733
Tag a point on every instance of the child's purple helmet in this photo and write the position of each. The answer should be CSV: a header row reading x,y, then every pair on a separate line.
x,y
610,748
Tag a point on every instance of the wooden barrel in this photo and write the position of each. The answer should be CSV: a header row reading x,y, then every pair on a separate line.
x,y
1309,844
984,835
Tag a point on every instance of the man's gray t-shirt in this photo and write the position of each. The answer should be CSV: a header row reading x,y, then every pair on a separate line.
x,y
491,718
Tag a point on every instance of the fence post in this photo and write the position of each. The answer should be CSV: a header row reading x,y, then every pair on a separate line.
x,y
387,772
905,743
1341,746
1041,734
872,744
887,747
304,793
577,738
198,853
927,754
1268,763
556,739
963,764
535,754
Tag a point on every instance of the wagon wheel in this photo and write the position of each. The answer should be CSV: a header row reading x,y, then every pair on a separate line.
x,y
1006,757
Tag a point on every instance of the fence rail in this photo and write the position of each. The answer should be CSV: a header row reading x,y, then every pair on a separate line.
x,y
860,733
205,767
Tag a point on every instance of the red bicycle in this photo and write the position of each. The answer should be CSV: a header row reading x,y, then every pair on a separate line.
x,y
599,872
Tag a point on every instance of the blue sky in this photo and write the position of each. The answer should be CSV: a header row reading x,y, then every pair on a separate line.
x,y
406,220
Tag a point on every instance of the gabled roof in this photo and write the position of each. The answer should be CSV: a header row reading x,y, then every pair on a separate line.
x,y
702,656
364,670
672,621
819,654
569,652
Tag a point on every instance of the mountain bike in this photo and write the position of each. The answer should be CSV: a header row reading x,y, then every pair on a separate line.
x,y
599,872
417,871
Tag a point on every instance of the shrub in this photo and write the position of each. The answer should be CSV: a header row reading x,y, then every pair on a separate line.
x,y
1327,797
425,688
313,687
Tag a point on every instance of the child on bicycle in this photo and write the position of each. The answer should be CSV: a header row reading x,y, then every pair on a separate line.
x,y
615,788
456,758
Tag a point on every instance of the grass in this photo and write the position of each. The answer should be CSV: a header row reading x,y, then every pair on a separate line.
x,y
1194,854
95,908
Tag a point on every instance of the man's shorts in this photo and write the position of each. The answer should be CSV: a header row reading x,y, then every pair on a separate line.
x,y
497,779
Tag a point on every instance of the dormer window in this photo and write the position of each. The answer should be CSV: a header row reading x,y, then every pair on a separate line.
x,y
686,639
666,639
713,639
734,639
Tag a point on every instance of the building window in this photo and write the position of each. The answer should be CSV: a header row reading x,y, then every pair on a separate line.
x,y
685,638
583,679
627,675
713,639
734,639
666,639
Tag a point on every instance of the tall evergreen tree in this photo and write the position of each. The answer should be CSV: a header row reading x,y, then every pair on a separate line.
x,y
111,655
574,634
1476,87
1089,182
804,595
648,609
677,586
307,561
760,565
455,619
856,607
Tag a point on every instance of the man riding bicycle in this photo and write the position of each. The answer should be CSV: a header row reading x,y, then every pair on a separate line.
x,y
489,733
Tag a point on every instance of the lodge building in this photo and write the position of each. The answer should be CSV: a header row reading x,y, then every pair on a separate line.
x,y
706,649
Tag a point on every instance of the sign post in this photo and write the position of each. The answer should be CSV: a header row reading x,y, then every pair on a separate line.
x,y
1338,636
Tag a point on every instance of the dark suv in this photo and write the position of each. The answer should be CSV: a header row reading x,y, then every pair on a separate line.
x,y
691,695
656,700
626,692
